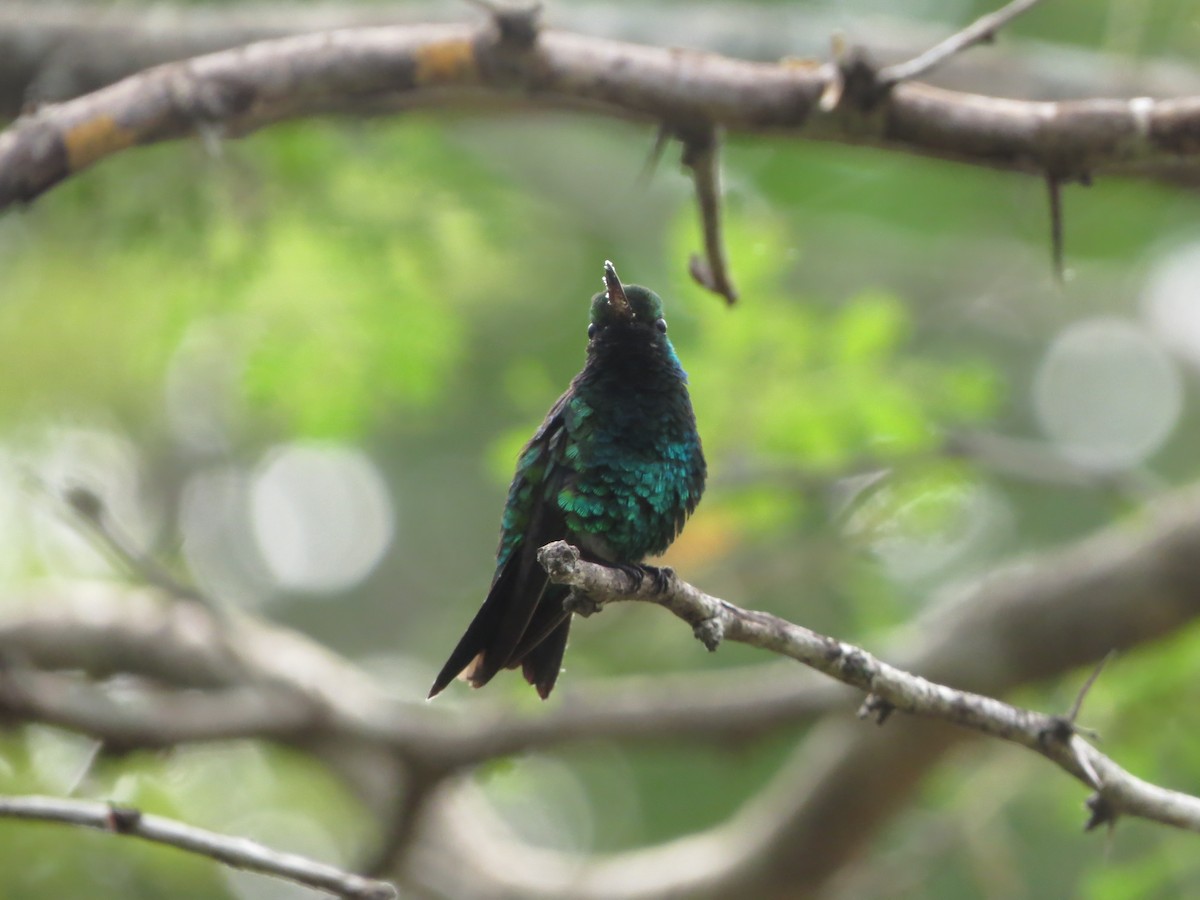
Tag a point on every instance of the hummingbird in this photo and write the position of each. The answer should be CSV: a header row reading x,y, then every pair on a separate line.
x,y
616,468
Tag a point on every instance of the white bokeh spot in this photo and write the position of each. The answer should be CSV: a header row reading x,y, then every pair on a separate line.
x,y
1171,301
321,516
1107,394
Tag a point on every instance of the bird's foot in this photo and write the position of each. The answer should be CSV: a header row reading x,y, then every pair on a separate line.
x,y
660,576
581,604
635,573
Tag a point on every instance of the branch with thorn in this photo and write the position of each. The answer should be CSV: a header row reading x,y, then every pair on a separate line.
x,y
700,155
387,69
240,853
888,688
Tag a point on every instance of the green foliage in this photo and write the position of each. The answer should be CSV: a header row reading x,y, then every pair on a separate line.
x,y
817,385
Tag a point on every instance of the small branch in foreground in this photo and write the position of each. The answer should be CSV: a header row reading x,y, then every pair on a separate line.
x,y
240,853
887,687
711,271
981,31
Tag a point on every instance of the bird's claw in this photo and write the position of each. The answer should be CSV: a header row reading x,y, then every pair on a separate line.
x,y
636,574
660,577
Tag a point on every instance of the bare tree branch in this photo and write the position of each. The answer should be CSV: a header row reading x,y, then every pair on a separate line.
x,y
54,50
374,70
241,853
886,686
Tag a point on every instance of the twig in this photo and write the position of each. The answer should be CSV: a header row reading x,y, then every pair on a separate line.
x,y
1054,194
887,687
982,30
89,511
1073,713
662,137
240,853
700,155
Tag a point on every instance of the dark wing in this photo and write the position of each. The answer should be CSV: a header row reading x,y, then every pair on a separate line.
x,y
519,612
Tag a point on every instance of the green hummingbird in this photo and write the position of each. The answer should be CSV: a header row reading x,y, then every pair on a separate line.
x,y
615,469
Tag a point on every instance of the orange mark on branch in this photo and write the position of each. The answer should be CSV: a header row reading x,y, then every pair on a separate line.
x,y
447,62
94,139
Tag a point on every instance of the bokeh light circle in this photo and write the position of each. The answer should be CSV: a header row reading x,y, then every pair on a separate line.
x,y
321,516
1107,394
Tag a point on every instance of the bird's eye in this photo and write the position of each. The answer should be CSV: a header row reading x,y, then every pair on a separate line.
x,y
661,325
592,329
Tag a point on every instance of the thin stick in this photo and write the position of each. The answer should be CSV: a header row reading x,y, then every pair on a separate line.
x,y
241,853
980,31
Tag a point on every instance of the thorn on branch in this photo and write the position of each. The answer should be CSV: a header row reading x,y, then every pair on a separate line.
x,y
877,708
1102,812
1087,687
700,155
123,819
581,604
661,139
518,25
710,632
1063,728
1054,192
1058,729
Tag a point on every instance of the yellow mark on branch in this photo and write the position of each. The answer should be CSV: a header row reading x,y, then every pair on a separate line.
x,y
447,62
94,139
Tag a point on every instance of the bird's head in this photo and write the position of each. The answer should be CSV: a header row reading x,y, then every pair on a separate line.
x,y
626,311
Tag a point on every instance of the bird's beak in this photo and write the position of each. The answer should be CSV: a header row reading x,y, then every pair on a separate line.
x,y
616,292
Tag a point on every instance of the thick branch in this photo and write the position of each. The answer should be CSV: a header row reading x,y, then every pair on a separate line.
x,y
53,51
366,70
241,853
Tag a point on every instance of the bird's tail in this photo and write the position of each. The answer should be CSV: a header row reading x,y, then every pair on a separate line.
x,y
521,623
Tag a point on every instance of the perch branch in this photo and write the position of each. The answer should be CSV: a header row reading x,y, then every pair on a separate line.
x,y
887,687
239,853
